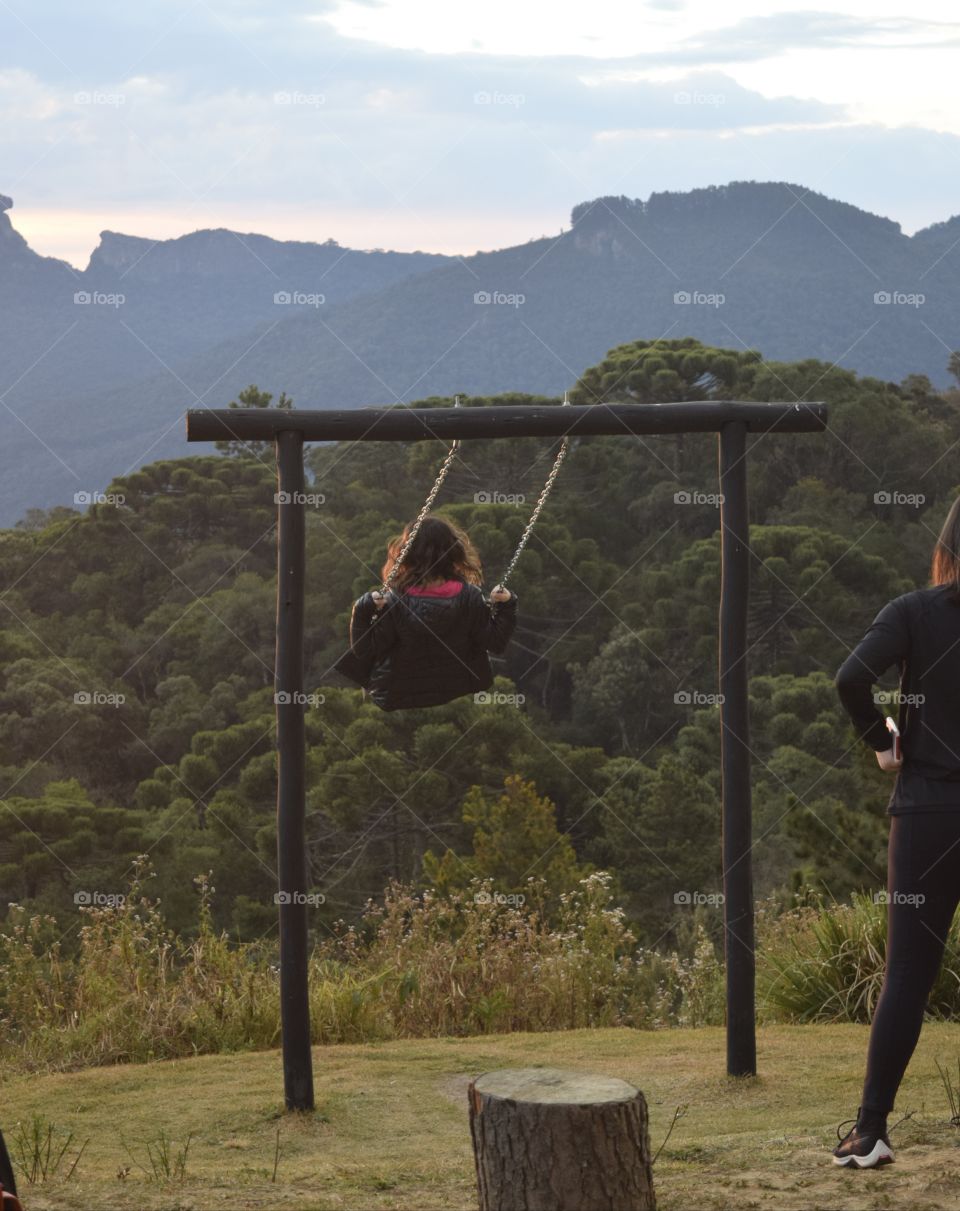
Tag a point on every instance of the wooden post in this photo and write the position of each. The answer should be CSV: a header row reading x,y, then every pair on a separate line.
x,y
545,1139
291,791
735,753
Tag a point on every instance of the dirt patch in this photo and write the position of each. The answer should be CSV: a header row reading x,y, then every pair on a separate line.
x,y
454,1089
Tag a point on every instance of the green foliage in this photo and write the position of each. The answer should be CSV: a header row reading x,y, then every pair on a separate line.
x,y
386,787
167,1162
160,608
60,849
515,843
825,963
252,397
662,827
416,965
647,372
419,964
41,1150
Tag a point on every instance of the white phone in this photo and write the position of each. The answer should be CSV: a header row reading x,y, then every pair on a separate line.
x,y
895,738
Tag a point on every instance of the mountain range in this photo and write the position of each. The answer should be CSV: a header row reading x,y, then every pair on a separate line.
x,y
97,366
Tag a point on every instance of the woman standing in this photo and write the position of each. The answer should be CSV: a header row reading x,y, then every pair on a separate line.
x,y
920,633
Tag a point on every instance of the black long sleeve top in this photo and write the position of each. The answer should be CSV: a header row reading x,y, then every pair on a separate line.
x,y
425,651
920,634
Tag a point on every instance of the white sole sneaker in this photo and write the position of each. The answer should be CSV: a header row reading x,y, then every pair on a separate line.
x,y
881,1154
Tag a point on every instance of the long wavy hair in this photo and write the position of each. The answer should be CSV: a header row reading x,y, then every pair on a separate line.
x,y
945,569
440,551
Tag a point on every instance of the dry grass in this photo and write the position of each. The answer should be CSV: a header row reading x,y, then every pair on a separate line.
x,y
417,966
390,1130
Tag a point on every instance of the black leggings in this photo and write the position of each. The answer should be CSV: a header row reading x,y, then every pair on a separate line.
x,y
923,886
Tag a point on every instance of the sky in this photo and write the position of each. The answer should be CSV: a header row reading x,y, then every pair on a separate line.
x,y
458,126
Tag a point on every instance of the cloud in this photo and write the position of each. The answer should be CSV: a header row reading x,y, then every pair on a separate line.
x,y
206,108
238,158
214,45
769,36
427,139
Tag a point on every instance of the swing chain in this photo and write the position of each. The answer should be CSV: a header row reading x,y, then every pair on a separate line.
x,y
438,484
545,492
421,516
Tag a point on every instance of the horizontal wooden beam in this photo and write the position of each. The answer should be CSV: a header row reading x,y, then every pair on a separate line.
x,y
496,420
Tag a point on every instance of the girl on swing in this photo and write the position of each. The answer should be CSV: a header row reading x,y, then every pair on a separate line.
x,y
425,639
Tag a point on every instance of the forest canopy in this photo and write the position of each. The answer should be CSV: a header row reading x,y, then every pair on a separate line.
x,y
136,685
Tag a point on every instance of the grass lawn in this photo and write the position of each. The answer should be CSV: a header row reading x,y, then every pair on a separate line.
x,y
390,1130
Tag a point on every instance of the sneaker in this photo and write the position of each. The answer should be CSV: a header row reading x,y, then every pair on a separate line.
x,y
861,1149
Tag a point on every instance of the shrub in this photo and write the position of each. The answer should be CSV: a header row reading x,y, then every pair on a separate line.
x,y
417,965
825,963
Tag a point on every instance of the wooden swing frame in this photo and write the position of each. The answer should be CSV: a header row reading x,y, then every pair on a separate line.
x,y
732,420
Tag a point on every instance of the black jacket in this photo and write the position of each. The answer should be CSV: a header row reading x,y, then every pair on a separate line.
x,y
424,651
919,633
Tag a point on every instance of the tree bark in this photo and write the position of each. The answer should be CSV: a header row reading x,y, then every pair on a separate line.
x,y
545,1139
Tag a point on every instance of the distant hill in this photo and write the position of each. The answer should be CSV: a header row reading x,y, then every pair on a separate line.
x,y
93,387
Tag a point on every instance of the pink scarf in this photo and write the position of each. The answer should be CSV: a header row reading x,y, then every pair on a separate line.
x,y
449,588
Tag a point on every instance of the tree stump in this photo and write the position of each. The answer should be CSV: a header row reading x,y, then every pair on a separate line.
x,y
545,1139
